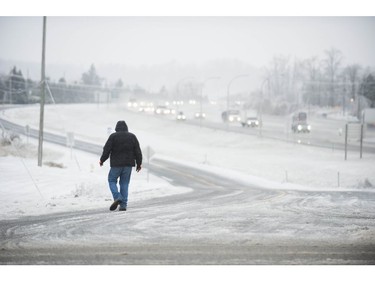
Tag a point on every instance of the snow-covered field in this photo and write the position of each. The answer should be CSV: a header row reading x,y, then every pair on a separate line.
x,y
66,182
81,184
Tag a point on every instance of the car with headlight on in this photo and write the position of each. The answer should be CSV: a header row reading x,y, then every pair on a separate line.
x,y
302,128
251,122
200,115
181,116
231,116
162,110
132,103
146,107
299,123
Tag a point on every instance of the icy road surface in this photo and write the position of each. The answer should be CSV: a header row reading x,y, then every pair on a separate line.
x,y
220,221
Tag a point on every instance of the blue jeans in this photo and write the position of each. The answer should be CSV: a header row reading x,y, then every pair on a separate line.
x,y
124,174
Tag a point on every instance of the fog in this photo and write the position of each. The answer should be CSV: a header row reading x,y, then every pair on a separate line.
x,y
257,136
157,51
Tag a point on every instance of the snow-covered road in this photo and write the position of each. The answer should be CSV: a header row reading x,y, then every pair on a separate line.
x,y
214,197
220,221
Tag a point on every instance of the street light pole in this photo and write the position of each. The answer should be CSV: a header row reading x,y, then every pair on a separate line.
x,y
359,104
42,95
230,82
10,89
202,86
261,106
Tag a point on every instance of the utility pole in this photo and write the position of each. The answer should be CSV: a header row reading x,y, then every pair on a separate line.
x,y
10,88
359,103
42,95
343,97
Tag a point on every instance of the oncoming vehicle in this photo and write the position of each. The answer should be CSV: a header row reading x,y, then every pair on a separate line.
x,y
132,103
200,115
146,107
251,122
299,123
181,116
231,116
163,110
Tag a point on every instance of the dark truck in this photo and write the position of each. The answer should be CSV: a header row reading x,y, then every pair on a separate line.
x,y
299,123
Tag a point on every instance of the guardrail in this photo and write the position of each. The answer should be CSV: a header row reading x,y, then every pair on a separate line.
x,y
53,138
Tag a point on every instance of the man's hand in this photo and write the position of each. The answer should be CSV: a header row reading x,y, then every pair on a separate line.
x,y
138,168
100,163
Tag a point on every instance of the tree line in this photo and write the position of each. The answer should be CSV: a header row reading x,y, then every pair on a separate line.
x,y
325,82
286,82
15,89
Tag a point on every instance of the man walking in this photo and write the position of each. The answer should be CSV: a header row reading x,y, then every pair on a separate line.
x,y
123,149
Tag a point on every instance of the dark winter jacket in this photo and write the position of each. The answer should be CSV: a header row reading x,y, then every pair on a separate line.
x,y
122,147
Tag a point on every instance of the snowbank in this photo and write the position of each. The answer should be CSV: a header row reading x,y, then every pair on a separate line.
x,y
67,181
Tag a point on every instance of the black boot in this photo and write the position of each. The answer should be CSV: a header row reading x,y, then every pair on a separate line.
x,y
114,205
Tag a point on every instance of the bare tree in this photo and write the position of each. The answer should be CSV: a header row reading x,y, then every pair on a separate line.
x,y
280,76
368,88
313,84
332,63
298,76
352,71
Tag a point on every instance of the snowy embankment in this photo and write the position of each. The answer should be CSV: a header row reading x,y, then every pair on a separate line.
x,y
67,181
82,183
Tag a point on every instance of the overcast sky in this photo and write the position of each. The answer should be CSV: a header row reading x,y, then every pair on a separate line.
x,y
154,40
